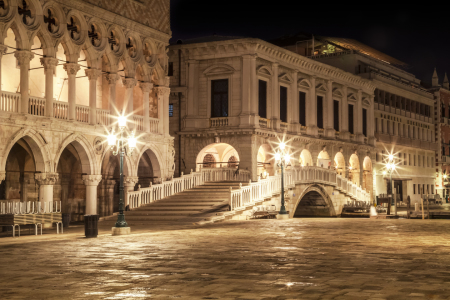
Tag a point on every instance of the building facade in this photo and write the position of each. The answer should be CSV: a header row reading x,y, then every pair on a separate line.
x,y
68,69
234,100
404,111
442,107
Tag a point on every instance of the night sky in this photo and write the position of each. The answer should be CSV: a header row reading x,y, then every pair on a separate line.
x,y
418,38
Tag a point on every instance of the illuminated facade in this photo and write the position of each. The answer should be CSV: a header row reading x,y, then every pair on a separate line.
x,y
404,111
67,69
233,99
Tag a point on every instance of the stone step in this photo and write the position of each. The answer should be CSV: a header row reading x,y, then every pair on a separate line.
x,y
172,208
144,213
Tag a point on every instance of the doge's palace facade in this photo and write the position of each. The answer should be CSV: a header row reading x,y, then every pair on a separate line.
x,y
68,69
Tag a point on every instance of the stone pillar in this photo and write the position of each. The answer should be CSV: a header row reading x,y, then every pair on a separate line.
x,y
249,105
129,182
112,81
275,98
24,57
46,182
93,75
358,118
91,182
129,84
163,109
49,64
3,49
146,87
72,70
344,134
329,111
293,105
192,96
311,109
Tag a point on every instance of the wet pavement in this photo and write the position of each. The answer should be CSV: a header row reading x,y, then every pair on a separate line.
x,y
257,259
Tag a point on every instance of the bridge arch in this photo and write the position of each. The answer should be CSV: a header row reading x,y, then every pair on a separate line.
x,y
313,201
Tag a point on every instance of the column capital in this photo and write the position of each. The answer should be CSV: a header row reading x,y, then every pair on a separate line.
x,y
24,56
112,78
129,83
130,180
72,68
91,180
162,91
49,63
146,87
93,74
46,178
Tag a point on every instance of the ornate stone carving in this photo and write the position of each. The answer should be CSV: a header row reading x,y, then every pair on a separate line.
x,y
46,178
163,91
98,145
93,74
112,78
49,62
24,56
92,180
130,180
146,87
129,83
72,68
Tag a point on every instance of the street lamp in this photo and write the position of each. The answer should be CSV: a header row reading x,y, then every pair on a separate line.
x,y
122,146
390,167
282,159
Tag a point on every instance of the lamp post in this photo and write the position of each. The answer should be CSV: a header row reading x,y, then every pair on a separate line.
x,y
390,167
282,159
122,146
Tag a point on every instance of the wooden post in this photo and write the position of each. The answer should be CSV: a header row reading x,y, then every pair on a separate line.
x,y
423,214
428,207
395,202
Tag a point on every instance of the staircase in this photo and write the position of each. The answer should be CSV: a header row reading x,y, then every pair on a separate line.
x,y
188,206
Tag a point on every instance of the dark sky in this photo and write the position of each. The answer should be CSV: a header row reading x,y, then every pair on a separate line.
x,y
418,38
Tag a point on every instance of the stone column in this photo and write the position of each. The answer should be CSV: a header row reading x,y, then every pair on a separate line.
x,y
72,70
3,49
344,134
129,84
192,95
112,82
91,182
129,182
329,111
46,182
311,109
163,109
358,118
49,64
93,75
275,98
293,105
371,123
146,87
249,106
24,57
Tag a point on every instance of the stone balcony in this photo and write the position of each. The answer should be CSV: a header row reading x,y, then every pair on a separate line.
x,y
9,103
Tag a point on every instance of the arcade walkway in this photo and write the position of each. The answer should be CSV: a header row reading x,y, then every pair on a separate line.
x,y
329,258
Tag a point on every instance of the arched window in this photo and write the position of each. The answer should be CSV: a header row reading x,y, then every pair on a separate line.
x,y
209,161
232,162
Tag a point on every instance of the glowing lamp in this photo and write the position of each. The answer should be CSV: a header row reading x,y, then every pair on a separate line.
x,y
393,167
391,157
384,172
445,176
277,156
122,121
282,146
132,142
111,139
287,158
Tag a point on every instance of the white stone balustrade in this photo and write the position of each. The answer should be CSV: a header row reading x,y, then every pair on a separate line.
x,y
9,102
29,207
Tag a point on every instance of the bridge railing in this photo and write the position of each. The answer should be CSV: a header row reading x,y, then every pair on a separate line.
x,y
174,186
256,192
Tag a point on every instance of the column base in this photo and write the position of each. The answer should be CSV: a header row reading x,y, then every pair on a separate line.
x,y
283,217
121,231
330,132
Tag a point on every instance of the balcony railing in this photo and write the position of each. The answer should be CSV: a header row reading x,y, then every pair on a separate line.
x,y
138,122
218,122
61,110
103,117
82,113
264,123
9,102
284,126
154,123
36,106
